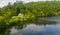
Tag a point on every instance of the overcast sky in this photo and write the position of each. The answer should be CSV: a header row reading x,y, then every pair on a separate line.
x,y
5,2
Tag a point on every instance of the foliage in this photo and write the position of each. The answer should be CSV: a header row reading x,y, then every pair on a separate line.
x,y
30,10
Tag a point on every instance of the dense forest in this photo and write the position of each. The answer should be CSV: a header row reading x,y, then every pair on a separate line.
x,y
30,10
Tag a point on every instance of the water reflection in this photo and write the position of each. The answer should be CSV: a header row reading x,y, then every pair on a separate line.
x,y
34,27
41,30
56,19
7,32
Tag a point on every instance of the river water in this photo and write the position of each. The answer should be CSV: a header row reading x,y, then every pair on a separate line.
x,y
35,28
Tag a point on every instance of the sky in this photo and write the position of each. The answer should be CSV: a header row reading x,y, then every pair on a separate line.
x,y
5,2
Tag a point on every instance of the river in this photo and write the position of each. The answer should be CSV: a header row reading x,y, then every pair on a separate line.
x,y
48,26
39,29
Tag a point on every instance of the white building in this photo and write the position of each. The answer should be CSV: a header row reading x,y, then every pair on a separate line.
x,y
20,15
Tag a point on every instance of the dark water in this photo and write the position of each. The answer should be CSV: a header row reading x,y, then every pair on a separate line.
x,y
48,26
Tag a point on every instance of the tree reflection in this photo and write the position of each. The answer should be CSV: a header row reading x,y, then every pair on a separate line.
x,y
19,26
24,24
7,32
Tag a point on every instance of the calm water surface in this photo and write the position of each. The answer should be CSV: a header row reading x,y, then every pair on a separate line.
x,y
34,28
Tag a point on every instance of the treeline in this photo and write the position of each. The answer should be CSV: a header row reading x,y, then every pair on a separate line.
x,y
44,8
48,8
